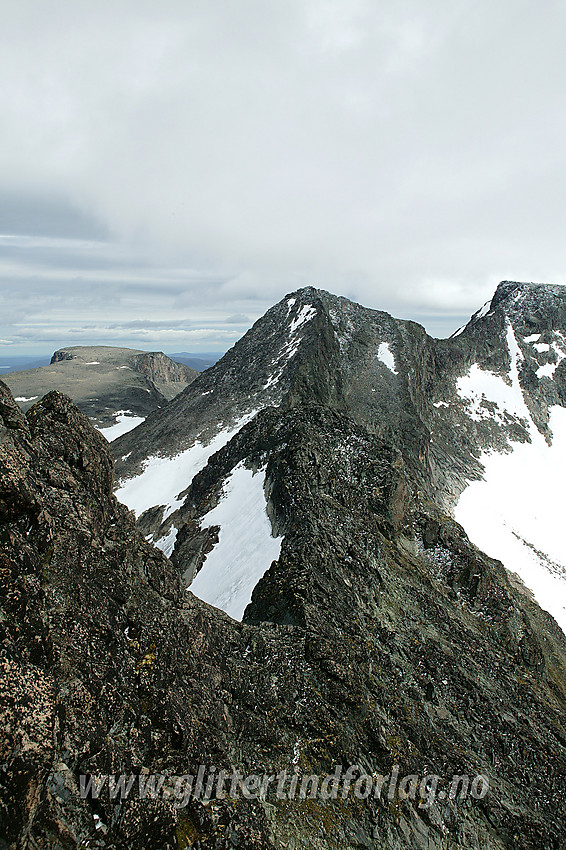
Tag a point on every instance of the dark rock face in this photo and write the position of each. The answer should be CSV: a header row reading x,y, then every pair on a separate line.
x,y
103,380
160,369
381,637
60,355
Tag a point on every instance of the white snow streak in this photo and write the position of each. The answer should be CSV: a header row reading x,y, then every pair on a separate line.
x,y
291,347
245,547
306,313
126,421
385,355
483,311
164,477
23,398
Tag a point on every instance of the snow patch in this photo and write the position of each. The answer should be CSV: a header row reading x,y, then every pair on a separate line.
x,y
23,398
479,386
547,371
92,363
126,421
531,338
163,478
385,355
245,548
167,542
440,404
516,514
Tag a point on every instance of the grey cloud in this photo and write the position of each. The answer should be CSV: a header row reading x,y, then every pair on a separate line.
x,y
237,319
217,156
150,324
42,215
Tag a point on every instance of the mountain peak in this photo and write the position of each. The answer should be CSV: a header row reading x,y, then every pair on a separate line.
x,y
516,290
305,292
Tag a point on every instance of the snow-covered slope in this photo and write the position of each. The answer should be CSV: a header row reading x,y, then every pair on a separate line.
x,y
515,513
245,548
126,420
163,478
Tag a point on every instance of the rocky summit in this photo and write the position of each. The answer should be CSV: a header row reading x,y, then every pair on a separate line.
x,y
291,597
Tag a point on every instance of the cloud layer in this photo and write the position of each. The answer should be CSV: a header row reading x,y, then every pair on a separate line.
x,y
207,157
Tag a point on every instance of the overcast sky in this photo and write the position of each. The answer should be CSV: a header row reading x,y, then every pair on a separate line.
x,y
170,169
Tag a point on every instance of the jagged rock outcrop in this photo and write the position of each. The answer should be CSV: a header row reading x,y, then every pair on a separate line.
x,y
103,380
357,649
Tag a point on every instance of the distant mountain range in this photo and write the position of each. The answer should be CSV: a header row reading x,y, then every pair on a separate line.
x,y
346,557
199,362
17,364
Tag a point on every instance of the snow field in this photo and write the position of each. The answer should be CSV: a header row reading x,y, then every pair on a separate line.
x,y
163,478
515,513
245,548
385,355
126,421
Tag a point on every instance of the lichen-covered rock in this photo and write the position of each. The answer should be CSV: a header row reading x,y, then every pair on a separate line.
x,y
380,637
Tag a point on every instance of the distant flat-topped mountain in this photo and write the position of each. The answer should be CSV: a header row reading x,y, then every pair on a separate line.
x,y
116,387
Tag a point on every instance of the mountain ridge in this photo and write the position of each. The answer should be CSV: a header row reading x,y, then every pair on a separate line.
x,y
444,405
339,357
379,637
